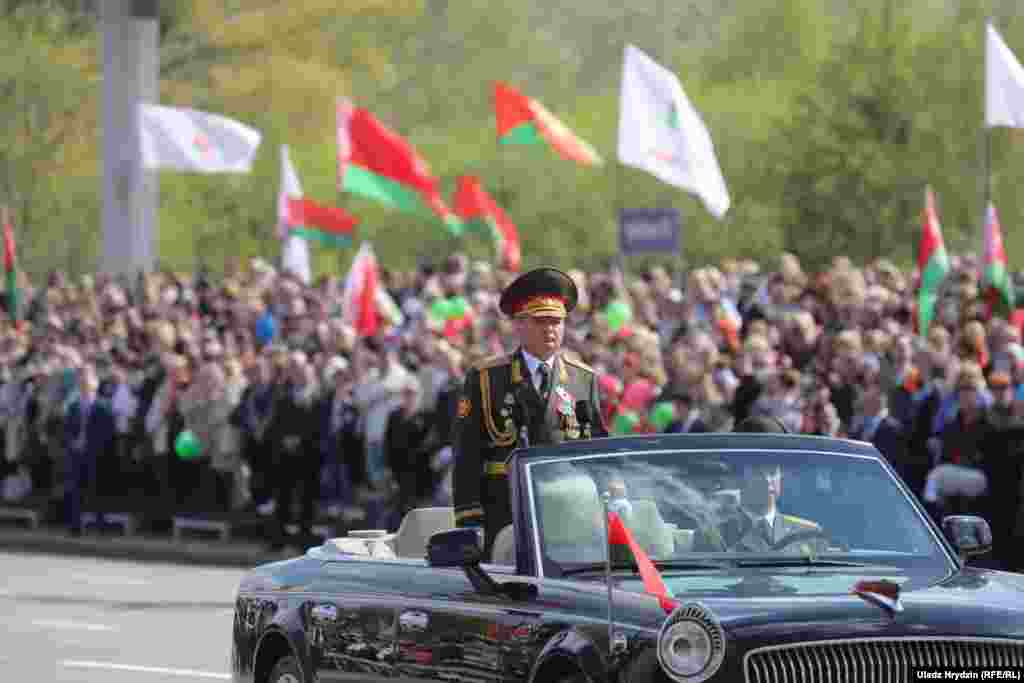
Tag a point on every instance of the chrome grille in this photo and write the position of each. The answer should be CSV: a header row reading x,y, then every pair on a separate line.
x,y
869,660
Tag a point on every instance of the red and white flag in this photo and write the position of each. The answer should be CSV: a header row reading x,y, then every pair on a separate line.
x,y
295,250
359,297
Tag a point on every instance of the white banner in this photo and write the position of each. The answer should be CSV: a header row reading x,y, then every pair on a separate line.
x,y
1004,83
660,132
189,140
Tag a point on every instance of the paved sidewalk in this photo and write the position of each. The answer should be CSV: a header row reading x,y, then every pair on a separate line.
x,y
56,540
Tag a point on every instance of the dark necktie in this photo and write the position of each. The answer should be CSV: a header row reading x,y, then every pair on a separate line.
x,y
545,381
766,530
83,432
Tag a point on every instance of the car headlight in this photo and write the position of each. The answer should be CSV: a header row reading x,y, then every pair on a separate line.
x,y
691,644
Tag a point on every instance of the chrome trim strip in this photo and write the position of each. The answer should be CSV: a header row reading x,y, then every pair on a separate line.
x,y
672,451
475,609
538,558
931,648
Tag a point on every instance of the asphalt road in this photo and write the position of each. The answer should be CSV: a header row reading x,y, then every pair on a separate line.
x,y
89,620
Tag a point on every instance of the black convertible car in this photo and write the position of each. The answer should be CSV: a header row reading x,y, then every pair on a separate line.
x,y
732,557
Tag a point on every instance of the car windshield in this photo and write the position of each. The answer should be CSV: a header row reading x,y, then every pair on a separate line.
x,y
738,509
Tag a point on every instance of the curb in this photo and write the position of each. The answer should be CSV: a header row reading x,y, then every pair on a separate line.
x,y
143,550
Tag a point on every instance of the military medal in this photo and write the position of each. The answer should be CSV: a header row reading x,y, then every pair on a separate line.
x,y
509,399
565,406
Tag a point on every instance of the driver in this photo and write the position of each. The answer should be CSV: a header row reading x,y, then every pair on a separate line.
x,y
757,524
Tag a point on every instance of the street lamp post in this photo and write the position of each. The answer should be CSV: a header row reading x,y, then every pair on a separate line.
x,y
130,77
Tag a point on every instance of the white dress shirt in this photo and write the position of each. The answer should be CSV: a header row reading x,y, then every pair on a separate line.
x,y
532,363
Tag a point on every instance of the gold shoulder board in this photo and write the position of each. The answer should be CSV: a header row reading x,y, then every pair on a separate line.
x,y
573,359
494,361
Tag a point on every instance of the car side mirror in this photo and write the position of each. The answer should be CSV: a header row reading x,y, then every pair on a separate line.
x,y
463,547
970,535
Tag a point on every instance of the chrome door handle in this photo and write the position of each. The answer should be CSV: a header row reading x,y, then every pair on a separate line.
x,y
325,612
414,621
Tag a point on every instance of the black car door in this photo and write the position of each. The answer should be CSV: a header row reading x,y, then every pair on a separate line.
x,y
350,628
457,634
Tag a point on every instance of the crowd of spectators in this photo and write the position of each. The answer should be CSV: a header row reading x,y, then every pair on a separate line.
x,y
298,417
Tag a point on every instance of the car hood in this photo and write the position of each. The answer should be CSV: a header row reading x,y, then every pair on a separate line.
x,y
973,602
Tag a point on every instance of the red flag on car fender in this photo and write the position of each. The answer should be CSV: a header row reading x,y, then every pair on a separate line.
x,y
619,534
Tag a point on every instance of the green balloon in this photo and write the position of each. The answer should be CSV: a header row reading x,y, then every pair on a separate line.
x,y
619,313
457,307
625,422
439,309
662,415
187,446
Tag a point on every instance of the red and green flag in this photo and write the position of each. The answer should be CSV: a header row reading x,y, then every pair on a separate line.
x,y
995,280
932,262
479,211
525,121
324,224
620,535
376,162
10,267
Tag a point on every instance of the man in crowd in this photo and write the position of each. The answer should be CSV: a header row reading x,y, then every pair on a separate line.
x,y
89,434
340,444
296,455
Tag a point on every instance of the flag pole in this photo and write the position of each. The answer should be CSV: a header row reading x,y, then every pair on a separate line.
x,y
502,197
987,192
987,143
5,217
504,203
620,257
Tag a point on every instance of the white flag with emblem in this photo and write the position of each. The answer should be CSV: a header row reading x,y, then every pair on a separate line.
x,y
189,140
660,132
1004,83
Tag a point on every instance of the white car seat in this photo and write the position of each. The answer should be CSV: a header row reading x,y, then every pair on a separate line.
x,y
652,533
572,518
504,549
418,525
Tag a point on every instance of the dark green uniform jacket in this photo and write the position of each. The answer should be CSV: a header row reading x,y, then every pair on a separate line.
x,y
498,400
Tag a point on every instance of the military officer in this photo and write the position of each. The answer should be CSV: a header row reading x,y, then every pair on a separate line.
x,y
535,395
757,525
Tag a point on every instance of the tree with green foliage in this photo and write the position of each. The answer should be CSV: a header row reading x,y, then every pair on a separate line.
x,y
828,119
